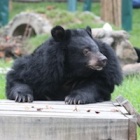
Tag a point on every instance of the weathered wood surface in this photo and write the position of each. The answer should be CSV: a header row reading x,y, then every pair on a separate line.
x,y
57,121
130,109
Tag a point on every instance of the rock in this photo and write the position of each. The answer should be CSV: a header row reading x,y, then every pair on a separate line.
x,y
119,41
36,23
131,69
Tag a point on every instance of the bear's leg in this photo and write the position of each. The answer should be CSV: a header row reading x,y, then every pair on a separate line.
x,y
89,93
20,93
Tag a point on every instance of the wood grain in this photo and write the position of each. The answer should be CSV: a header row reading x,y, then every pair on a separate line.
x,y
57,121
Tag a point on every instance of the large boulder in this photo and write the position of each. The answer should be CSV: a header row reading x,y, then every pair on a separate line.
x,y
28,24
119,41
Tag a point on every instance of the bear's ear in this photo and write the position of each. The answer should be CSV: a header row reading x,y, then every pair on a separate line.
x,y
88,29
58,33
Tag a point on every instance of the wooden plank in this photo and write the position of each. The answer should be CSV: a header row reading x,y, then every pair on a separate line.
x,y
100,116
121,110
132,129
52,108
128,106
97,110
58,121
41,128
61,107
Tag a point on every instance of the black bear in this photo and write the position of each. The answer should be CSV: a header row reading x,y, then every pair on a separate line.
x,y
70,66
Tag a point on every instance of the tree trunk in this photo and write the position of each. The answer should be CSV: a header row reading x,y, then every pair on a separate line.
x,y
111,11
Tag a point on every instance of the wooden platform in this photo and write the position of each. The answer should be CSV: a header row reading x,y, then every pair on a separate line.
x,y
57,121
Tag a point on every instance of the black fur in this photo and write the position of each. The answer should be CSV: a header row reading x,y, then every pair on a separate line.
x,y
138,53
70,66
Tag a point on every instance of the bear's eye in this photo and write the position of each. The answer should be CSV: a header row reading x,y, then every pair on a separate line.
x,y
86,52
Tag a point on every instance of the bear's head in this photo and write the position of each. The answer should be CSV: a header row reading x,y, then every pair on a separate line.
x,y
81,50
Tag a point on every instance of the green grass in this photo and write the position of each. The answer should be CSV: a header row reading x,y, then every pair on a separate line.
x,y
3,64
2,86
40,7
135,33
129,89
59,13
43,7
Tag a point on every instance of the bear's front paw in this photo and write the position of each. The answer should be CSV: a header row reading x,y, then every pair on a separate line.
x,y
76,99
19,97
22,93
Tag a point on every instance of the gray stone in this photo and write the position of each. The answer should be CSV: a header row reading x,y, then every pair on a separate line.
x,y
37,22
119,41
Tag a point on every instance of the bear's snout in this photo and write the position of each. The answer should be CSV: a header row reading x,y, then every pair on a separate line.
x,y
97,61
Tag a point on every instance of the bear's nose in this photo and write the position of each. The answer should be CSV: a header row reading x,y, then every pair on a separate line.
x,y
103,61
